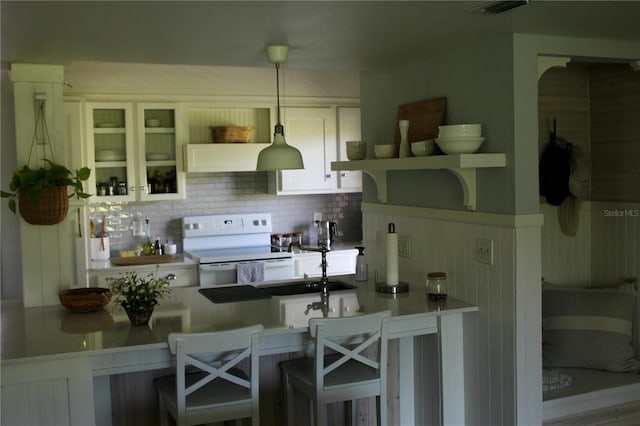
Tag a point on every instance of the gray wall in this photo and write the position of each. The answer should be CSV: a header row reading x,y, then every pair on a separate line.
x,y
476,80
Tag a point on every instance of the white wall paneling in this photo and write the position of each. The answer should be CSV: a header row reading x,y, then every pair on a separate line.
x,y
566,260
45,250
444,240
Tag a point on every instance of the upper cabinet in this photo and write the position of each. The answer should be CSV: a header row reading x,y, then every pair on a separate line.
x,y
160,139
135,151
348,130
320,134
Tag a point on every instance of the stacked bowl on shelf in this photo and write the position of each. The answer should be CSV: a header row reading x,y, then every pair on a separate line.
x,y
460,138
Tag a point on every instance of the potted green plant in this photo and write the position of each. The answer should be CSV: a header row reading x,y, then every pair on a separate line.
x,y
42,192
138,295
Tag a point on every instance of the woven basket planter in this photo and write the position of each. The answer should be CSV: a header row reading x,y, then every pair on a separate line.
x,y
51,209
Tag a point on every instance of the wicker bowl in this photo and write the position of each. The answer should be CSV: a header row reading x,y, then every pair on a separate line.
x,y
89,299
231,134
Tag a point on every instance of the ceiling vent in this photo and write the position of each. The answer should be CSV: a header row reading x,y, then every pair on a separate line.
x,y
497,7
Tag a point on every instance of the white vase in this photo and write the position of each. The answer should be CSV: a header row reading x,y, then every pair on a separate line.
x,y
405,149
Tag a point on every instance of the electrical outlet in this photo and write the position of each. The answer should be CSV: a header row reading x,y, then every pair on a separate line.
x,y
404,246
484,251
317,216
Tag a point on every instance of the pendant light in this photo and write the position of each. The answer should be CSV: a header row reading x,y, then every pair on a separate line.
x,y
279,155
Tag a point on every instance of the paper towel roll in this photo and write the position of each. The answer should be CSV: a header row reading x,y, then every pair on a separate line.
x,y
392,256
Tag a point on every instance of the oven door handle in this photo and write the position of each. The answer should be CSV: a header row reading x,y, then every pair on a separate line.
x,y
218,267
231,266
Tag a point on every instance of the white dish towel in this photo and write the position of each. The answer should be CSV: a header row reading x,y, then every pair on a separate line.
x,y
250,272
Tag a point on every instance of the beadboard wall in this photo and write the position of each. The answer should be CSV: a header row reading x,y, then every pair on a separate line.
x,y
212,193
615,132
444,240
566,260
597,106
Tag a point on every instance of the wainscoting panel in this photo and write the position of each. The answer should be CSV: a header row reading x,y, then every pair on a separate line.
x,y
443,240
566,260
615,242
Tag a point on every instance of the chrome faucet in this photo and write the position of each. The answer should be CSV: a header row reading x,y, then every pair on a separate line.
x,y
323,304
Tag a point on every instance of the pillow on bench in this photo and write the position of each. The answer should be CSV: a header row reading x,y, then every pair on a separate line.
x,y
589,328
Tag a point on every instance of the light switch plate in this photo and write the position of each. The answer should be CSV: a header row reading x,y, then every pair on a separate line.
x,y
484,251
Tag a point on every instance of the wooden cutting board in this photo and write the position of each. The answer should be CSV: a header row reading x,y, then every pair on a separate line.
x,y
142,260
424,118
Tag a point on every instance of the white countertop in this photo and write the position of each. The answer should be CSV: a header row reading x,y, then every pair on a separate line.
x,y
104,265
52,331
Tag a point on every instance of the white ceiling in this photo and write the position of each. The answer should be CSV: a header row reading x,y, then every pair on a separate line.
x,y
353,35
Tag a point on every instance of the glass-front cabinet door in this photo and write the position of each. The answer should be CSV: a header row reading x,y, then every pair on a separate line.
x,y
136,150
110,143
159,152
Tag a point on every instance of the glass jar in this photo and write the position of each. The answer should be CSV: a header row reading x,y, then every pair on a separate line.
x,y
436,285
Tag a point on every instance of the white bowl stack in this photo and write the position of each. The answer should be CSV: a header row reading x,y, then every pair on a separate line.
x,y
460,138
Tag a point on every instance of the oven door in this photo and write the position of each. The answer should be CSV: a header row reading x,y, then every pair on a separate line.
x,y
223,273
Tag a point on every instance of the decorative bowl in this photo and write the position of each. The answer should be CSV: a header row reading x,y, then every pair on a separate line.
x,y
460,130
422,148
385,151
459,145
356,150
86,299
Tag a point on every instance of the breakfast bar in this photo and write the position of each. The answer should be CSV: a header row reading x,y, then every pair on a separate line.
x,y
56,364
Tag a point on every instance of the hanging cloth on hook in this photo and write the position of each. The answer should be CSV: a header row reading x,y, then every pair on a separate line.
x,y
554,171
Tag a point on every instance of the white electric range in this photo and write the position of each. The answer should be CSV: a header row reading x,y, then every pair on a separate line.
x,y
220,243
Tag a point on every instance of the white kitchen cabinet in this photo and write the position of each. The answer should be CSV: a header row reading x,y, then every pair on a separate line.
x,y
160,139
130,160
348,130
179,274
320,134
313,132
339,262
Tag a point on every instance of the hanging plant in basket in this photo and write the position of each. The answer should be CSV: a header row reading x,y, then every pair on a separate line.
x,y
42,192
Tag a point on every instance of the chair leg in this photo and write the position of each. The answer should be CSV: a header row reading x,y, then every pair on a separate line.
x,y
163,412
382,410
351,413
288,399
320,414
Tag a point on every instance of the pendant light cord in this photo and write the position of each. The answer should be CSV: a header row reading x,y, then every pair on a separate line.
x,y
279,127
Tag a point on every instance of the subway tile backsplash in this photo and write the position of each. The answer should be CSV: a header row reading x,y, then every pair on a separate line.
x,y
213,193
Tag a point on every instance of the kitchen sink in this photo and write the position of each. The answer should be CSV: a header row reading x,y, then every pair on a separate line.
x,y
300,287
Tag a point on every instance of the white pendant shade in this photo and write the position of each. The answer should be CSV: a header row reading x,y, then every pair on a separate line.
x,y
279,156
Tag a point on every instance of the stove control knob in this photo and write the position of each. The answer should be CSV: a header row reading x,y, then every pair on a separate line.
x,y
264,222
188,226
256,222
197,226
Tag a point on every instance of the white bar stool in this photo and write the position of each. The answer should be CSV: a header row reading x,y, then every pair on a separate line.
x,y
206,387
340,371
